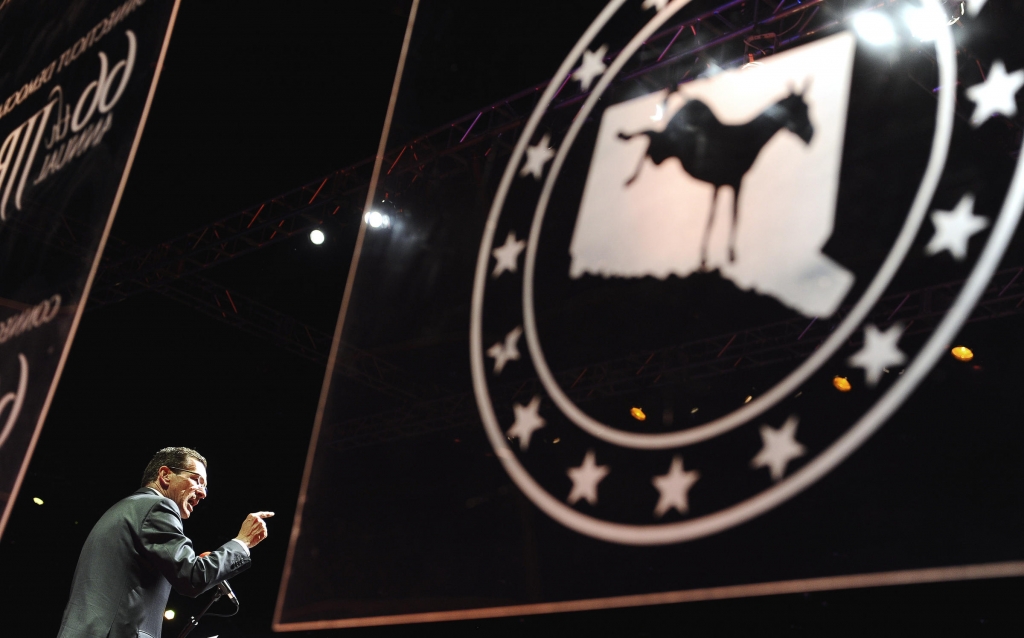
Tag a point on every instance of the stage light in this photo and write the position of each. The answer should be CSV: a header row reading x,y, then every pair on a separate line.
x,y
874,28
694,411
37,500
316,236
841,383
556,441
638,414
169,614
924,25
749,398
962,353
376,219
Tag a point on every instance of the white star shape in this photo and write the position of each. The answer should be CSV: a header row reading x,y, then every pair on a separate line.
x,y
527,422
974,6
536,157
954,228
593,66
502,353
674,487
997,94
779,448
879,352
657,4
585,479
507,255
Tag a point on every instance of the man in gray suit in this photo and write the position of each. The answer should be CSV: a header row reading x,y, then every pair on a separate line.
x,y
138,551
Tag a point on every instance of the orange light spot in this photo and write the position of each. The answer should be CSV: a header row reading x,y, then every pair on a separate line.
x,y
962,353
841,383
637,414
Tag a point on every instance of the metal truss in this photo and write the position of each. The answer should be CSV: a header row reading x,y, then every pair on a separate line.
x,y
447,150
250,316
919,311
252,229
305,341
173,268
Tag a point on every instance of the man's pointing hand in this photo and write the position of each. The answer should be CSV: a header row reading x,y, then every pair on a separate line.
x,y
253,528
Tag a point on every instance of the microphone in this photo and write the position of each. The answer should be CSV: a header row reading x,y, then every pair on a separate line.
x,y
225,589
224,586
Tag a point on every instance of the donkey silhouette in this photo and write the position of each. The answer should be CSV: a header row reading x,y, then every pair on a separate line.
x,y
721,154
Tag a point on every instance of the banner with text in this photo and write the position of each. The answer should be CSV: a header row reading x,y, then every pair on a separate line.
x,y
77,78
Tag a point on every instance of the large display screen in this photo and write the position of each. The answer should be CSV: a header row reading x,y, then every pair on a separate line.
x,y
699,300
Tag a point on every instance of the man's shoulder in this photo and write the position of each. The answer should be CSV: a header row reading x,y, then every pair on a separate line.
x,y
142,496
140,503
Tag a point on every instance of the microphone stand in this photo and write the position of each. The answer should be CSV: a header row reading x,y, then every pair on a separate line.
x,y
194,622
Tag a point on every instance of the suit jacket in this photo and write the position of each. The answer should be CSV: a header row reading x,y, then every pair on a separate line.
x,y
133,557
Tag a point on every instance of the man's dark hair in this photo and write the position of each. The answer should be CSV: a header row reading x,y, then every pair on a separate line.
x,y
171,457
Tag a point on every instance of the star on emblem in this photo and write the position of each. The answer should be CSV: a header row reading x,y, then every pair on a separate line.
x,y
997,94
507,255
879,352
527,422
536,157
657,4
585,479
779,448
674,488
592,66
502,353
954,228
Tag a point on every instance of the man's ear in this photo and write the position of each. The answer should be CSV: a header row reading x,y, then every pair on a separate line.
x,y
163,477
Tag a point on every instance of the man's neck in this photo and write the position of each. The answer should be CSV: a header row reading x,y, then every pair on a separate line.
x,y
156,488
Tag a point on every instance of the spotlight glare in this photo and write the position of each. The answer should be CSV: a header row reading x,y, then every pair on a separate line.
x,y
924,25
169,614
316,236
375,219
638,414
712,70
37,500
874,28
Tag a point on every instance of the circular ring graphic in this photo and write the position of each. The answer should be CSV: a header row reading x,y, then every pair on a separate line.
x,y
742,415
845,444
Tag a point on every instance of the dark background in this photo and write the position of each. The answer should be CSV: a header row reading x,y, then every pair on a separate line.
x,y
255,99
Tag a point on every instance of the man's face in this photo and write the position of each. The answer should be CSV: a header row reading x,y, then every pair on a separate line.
x,y
187,488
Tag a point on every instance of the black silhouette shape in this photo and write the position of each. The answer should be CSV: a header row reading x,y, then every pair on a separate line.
x,y
721,154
